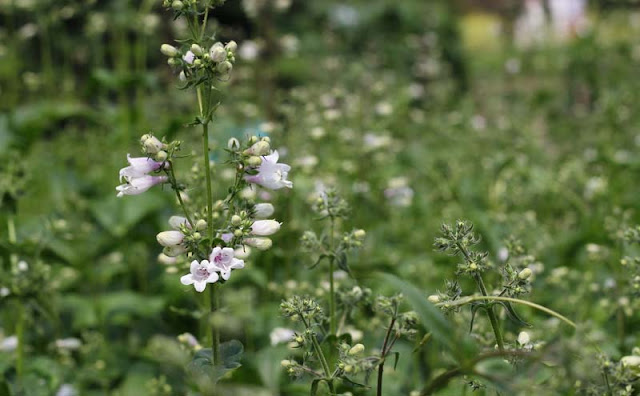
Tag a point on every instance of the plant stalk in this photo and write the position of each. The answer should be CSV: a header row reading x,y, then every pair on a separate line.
x,y
383,356
332,292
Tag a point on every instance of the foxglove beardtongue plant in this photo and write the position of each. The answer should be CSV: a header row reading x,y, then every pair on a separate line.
x,y
214,236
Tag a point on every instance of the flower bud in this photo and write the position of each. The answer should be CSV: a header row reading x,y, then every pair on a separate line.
x,y
201,225
233,144
524,274
166,260
196,49
253,139
174,251
356,349
144,137
238,233
231,46
631,361
348,368
254,161
153,145
196,236
218,53
236,220
434,299
265,227
523,338
359,234
473,266
173,62
177,5
224,67
161,156
170,238
286,363
242,252
259,148
259,243
263,210
169,50
176,221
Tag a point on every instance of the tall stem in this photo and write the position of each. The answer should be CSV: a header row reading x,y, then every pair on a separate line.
x,y
383,355
332,292
13,239
323,360
492,315
215,333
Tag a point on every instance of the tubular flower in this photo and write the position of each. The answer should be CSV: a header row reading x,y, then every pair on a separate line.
x,y
201,273
223,261
136,177
139,185
270,174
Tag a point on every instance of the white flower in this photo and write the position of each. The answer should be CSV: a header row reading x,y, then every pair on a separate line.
x,y
523,338
281,335
201,273
9,344
66,390
174,251
170,238
265,227
218,53
270,174
263,210
222,260
259,243
151,144
139,185
630,361
69,343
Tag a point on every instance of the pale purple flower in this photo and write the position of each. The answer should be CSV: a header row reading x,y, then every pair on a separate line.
x,y
227,237
138,167
201,273
223,261
189,57
139,185
270,174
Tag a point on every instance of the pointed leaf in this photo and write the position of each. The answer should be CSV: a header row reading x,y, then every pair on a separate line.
x,y
513,315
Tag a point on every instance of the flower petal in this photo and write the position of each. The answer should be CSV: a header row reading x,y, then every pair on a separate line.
x,y
187,279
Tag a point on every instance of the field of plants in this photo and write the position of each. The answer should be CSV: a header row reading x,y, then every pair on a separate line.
x,y
292,197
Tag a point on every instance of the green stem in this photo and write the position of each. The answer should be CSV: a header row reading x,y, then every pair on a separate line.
x,y
174,185
332,292
384,355
215,333
20,350
323,362
492,315
467,300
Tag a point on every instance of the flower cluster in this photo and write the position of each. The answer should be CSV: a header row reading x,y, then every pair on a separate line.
x,y
198,64
138,176
221,262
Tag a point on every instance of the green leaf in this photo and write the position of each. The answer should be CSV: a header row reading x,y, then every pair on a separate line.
x,y
431,317
202,364
513,315
269,368
119,215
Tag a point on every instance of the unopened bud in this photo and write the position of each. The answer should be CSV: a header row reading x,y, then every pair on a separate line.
x,y
231,46
286,363
170,238
169,50
253,139
182,77
166,260
259,148
224,67
259,243
173,62
153,145
144,137
233,144
161,156
524,274
218,53
473,266
356,349
434,299
348,368
265,227
196,236
238,233
196,49
254,161
359,234
177,5
236,220
523,338
263,210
